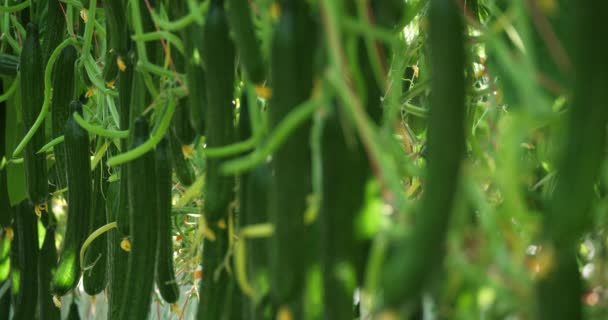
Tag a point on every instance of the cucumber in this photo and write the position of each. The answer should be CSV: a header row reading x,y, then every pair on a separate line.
x,y
6,212
571,212
241,24
47,260
181,123
143,199
183,169
343,192
78,168
94,279
255,211
408,271
165,273
32,97
220,62
117,257
63,94
291,79
116,24
55,27
27,241
195,75
8,64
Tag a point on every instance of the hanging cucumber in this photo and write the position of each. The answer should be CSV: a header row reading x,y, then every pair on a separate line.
x,y
78,168
165,273
241,24
411,267
143,200
47,260
342,195
291,78
27,261
181,123
6,212
94,279
183,169
55,27
571,212
220,62
32,97
116,22
63,94
195,75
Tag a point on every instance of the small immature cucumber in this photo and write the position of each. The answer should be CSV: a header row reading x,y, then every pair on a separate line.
x,y
143,199
47,261
78,167
94,279
26,235
32,97
165,273
183,169
63,94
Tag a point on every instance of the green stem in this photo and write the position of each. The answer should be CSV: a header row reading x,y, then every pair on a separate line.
x,y
100,131
158,35
11,90
290,123
51,144
155,137
15,8
93,236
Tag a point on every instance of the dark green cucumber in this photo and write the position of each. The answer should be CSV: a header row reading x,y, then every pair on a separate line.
x,y
143,199
343,192
195,75
220,63
117,257
241,24
571,212
183,169
55,27
409,270
94,279
47,260
116,22
291,79
8,64
110,69
32,97
181,123
27,261
165,273
6,212
63,94
78,168
255,211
